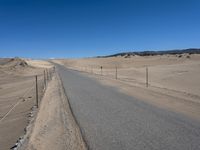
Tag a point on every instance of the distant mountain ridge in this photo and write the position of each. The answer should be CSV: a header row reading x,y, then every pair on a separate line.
x,y
152,53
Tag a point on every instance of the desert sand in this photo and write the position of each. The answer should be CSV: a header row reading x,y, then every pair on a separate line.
x,y
54,126
39,63
174,81
22,125
17,98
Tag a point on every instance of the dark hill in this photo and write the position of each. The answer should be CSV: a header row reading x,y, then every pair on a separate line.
x,y
152,53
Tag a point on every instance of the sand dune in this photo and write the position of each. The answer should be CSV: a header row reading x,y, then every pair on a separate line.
x,y
39,63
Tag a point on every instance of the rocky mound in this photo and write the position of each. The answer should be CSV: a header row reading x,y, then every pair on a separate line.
x,y
15,63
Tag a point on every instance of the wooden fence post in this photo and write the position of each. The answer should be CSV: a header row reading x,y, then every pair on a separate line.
x,y
116,73
47,75
36,87
147,77
44,80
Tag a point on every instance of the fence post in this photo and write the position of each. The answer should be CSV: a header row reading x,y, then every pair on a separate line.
x,y
101,70
116,73
36,87
54,69
47,75
44,80
147,76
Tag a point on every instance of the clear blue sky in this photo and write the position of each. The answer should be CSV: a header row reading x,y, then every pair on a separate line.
x,y
80,28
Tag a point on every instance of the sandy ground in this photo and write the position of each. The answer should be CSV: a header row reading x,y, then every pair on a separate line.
x,y
39,63
17,97
54,127
174,81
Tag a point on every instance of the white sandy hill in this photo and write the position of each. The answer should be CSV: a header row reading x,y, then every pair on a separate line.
x,y
39,63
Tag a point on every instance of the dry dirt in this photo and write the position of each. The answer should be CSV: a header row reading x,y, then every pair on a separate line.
x,y
54,127
17,97
174,80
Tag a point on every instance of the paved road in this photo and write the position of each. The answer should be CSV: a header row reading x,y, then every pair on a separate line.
x,y
111,120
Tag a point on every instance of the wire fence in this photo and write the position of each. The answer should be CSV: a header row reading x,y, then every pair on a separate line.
x,y
169,78
136,75
37,89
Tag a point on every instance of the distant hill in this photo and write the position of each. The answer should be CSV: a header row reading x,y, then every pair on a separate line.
x,y
152,53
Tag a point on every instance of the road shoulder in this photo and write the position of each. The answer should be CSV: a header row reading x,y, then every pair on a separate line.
x,y
54,126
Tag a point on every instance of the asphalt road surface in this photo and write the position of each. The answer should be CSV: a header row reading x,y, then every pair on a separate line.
x,y
110,120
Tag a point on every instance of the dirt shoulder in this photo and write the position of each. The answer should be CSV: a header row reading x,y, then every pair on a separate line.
x,y
54,126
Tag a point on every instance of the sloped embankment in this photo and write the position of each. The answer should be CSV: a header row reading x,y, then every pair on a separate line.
x,y
54,126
